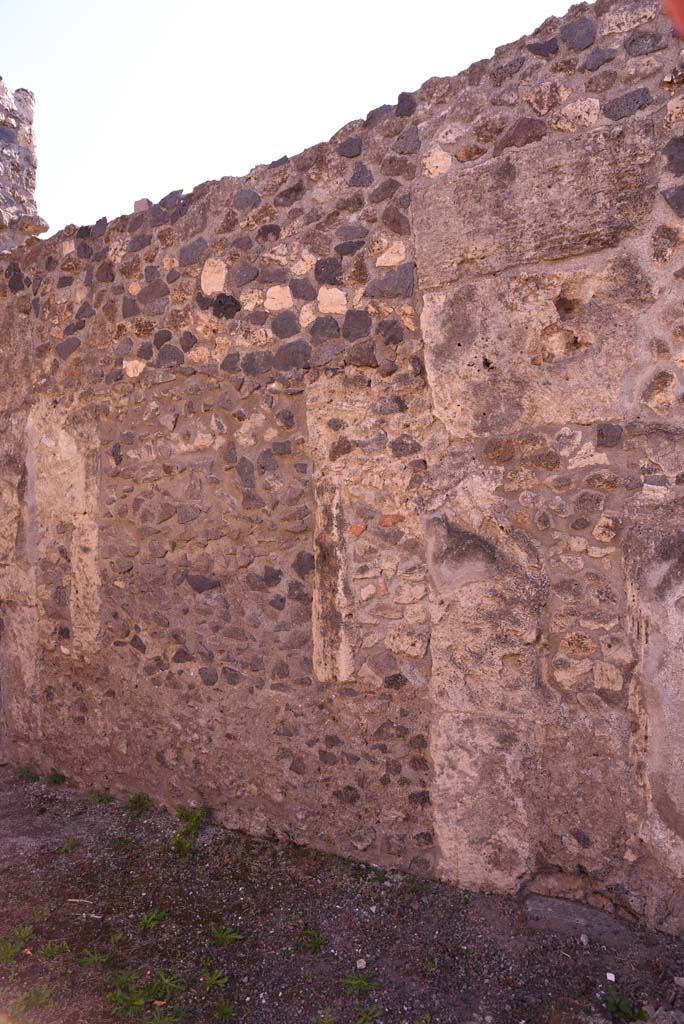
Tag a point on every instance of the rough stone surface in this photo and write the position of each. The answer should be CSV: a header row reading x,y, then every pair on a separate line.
x,y
18,215
350,494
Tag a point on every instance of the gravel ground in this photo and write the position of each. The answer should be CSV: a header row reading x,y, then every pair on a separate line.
x,y
109,917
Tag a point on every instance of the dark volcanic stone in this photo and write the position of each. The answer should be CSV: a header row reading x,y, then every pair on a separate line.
x,y
303,564
627,105
201,583
243,273
675,198
608,435
579,34
161,337
246,198
105,272
385,190
273,275
392,331
329,270
192,252
362,353
187,341
257,362
67,347
288,196
225,306
406,104
154,296
351,231
170,355
293,355
522,133
408,142
547,48
349,248
285,324
362,176
357,324
324,328
209,675
139,242
396,284
395,220
15,278
351,147
597,58
302,288
8,135
644,41
674,151
268,233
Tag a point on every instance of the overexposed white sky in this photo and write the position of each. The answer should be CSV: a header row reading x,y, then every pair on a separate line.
x,y
135,98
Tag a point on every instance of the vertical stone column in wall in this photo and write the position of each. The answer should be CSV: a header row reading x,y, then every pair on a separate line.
x,y
531,301
62,533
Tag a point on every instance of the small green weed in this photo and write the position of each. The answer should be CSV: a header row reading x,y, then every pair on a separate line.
x,y
359,983
164,1016
622,1008
432,966
325,1018
93,958
53,949
225,936
12,945
164,985
225,1012
192,818
152,919
138,804
55,778
68,845
425,1019
42,915
27,774
124,993
36,998
212,979
23,933
181,846
101,796
313,940
368,1015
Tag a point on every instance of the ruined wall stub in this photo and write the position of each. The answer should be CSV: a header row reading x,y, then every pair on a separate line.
x,y
348,496
18,215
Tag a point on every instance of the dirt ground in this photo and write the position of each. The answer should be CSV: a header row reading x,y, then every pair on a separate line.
x,y
107,917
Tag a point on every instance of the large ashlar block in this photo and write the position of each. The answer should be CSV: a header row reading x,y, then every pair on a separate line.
x,y
481,770
519,347
556,198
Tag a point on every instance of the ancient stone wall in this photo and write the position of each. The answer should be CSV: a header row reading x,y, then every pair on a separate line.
x,y
18,215
348,497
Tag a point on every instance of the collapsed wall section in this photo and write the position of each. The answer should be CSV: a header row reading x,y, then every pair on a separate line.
x,y
347,497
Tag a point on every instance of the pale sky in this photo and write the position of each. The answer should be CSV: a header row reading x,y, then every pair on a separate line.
x,y
135,98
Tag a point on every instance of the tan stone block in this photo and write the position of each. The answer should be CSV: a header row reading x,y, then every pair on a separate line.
x,y
331,300
436,162
278,297
213,277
